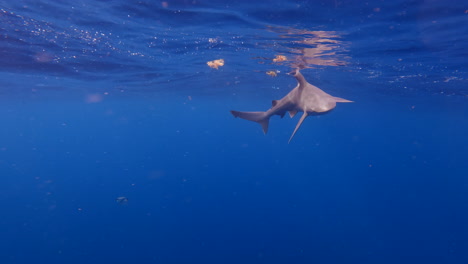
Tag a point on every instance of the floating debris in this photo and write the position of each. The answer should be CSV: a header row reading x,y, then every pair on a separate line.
x,y
279,58
272,73
216,63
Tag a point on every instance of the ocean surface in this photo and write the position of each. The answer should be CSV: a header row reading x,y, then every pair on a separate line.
x,y
117,144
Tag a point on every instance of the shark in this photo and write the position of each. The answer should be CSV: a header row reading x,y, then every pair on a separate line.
x,y
305,98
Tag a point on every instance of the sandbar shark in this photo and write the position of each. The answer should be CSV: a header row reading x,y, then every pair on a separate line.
x,y
305,97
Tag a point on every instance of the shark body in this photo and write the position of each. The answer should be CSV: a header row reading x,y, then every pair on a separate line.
x,y
305,98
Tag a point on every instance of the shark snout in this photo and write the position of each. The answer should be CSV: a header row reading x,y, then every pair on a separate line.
x,y
293,72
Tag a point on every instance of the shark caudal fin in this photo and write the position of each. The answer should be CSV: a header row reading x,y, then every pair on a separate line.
x,y
303,117
259,117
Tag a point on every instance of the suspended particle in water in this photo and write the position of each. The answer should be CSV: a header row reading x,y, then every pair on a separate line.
x,y
122,200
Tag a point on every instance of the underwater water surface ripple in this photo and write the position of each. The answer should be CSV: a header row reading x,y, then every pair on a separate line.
x,y
146,43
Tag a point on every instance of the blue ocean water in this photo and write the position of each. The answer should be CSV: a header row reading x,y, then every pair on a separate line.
x,y
107,99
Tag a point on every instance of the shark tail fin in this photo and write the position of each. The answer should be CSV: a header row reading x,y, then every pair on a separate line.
x,y
342,100
303,117
259,117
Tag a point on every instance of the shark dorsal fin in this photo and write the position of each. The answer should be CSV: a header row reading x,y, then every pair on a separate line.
x,y
303,117
292,113
274,103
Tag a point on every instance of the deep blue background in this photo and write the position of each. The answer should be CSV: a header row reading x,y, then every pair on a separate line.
x,y
101,99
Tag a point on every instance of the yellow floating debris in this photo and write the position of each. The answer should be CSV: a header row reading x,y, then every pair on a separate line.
x,y
272,73
279,58
215,63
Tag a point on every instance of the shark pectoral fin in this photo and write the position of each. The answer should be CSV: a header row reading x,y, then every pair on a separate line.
x,y
341,100
259,117
303,117
292,113
264,124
